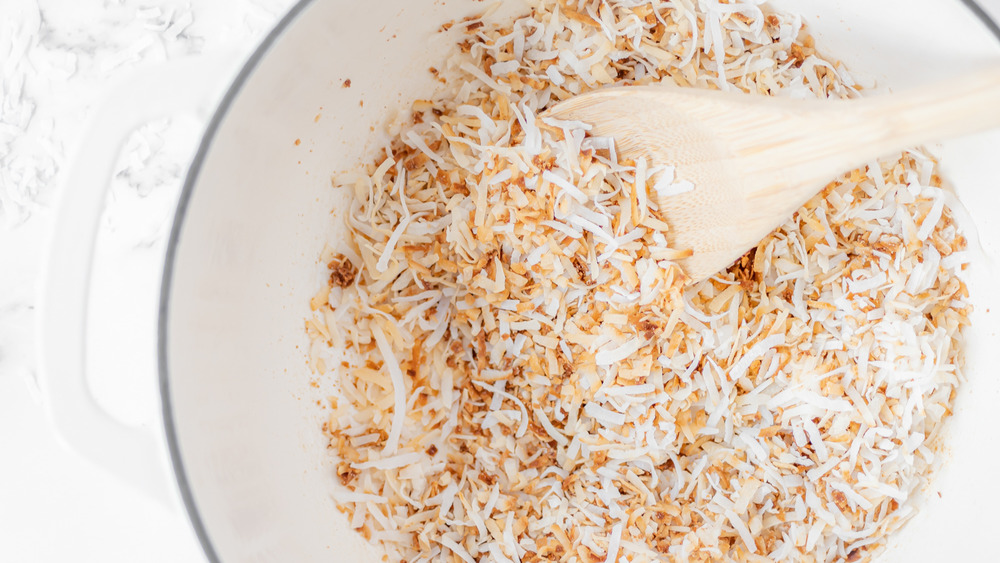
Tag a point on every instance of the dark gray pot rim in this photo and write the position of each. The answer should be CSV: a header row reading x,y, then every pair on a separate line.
x,y
169,425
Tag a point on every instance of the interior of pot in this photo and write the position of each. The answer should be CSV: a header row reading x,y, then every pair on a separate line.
x,y
241,413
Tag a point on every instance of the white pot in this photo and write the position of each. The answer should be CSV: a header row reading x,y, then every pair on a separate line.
x,y
240,418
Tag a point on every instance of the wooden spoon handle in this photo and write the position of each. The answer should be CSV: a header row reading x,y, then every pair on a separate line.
x,y
968,104
822,139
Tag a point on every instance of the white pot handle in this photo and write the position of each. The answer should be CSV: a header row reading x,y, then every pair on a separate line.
x,y
134,454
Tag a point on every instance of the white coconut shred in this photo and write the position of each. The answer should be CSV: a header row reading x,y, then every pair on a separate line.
x,y
536,380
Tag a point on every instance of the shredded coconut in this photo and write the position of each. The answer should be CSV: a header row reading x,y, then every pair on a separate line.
x,y
528,378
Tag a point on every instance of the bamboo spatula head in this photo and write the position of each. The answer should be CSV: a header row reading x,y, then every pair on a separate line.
x,y
755,160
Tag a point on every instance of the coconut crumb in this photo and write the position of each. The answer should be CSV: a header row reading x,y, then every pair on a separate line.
x,y
342,271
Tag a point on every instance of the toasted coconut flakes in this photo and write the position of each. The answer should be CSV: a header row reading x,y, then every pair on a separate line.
x,y
549,389
605,416
614,355
456,549
614,543
398,388
391,462
865,285
755,352
931,220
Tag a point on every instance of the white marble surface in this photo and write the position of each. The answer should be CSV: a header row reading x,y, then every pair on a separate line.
x,y
57,58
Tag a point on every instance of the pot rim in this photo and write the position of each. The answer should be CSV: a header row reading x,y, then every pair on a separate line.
x,y
166,282
169,424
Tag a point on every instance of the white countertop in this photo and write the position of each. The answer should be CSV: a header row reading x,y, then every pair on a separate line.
x,y
57,58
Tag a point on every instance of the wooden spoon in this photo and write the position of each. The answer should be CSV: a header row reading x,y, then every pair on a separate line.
x,y
755,160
